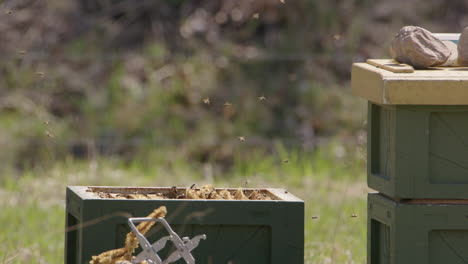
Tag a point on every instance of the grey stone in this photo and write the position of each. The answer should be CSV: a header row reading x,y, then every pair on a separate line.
x,y
419,48
463,48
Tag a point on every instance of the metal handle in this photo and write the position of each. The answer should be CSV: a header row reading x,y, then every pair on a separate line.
x,y
150,252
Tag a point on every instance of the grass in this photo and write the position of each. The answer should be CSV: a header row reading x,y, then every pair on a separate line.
x,y
333,187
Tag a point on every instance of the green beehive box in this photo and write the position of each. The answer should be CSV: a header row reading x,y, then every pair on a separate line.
x,y
418,151
417,131
252,231
417,231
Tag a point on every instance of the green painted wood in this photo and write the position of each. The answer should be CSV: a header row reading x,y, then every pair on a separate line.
x,y
403,233
229,242
417,151
238,231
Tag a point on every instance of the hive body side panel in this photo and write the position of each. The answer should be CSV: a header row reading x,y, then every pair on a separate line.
x,y
411,151
264,231
418,233
287,244
381,230
418,152
73,219
449,147
381,146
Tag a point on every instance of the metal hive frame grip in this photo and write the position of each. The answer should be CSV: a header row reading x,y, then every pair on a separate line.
x,y
150,251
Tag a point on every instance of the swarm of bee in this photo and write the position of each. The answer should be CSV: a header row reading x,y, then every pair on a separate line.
x,y
209,192
205,192
124,255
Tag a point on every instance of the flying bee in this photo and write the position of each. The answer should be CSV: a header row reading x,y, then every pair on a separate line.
x,y
262,98
206,100
49,134
241,138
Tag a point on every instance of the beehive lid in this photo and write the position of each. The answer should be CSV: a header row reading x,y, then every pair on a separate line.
x,y
387,82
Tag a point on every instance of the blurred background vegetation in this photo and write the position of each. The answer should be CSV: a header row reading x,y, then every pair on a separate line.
x,y
213,89
184,80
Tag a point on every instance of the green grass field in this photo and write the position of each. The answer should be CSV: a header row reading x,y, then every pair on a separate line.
x,y
333,188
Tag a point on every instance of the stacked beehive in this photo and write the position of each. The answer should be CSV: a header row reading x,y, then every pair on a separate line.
x,y
417,161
